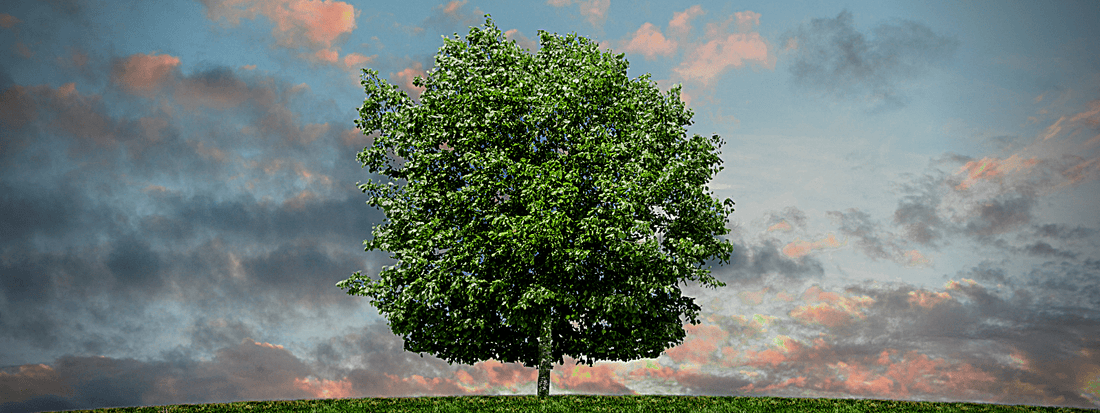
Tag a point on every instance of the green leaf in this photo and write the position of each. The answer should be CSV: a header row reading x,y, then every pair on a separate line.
x,y
569,219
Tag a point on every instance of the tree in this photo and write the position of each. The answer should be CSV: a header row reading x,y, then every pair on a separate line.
x,y
527,226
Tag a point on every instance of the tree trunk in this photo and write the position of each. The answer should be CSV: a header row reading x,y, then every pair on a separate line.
x,y
545,346
544,358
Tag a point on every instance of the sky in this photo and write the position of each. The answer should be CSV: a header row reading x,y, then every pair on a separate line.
x,y
916,188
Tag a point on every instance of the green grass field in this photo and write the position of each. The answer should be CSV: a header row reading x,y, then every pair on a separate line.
x,y
588,403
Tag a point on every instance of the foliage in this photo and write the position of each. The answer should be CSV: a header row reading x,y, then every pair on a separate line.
x,y
497,231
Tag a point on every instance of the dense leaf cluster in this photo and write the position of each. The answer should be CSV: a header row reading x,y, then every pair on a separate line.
x,y
535,189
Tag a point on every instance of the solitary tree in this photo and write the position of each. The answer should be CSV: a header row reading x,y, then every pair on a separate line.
x,y
535,189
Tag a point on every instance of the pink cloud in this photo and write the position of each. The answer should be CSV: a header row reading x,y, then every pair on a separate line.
x,y
859,380
699,344
705,62
453,6
799,248
325,389
595,10
356,61
407,76
681,21
312,24
781,226
143,74
649,42
327,55
823,314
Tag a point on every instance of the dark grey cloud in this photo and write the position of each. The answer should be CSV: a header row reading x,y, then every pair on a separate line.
x,y
1042,249
241,369
938,206
791,215
753,263
976,324
986,271
108,214
834,58
865,232
1062,232
998,216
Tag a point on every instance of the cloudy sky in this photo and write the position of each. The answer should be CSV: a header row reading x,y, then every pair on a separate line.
x,y
916,189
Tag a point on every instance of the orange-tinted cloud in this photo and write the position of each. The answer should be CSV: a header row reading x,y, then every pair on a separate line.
x,y
832,309
599,378
649,41
990,168
781,226
316,25
956,285
144,74
858,380
927,299
798,247
699,345
325,389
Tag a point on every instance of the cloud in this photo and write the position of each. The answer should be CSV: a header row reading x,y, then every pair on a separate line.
x,y
720,49
680,24
994,196
16,110
315,25
8,21
594,10
870,239
144,73
708,57
649,42
831,57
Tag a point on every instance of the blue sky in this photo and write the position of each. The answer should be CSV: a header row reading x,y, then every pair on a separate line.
x,y
916,189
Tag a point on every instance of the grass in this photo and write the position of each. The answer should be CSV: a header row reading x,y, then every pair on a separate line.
x,y
587,403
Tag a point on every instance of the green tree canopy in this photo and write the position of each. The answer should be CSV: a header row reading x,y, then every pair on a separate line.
x,y
536,186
